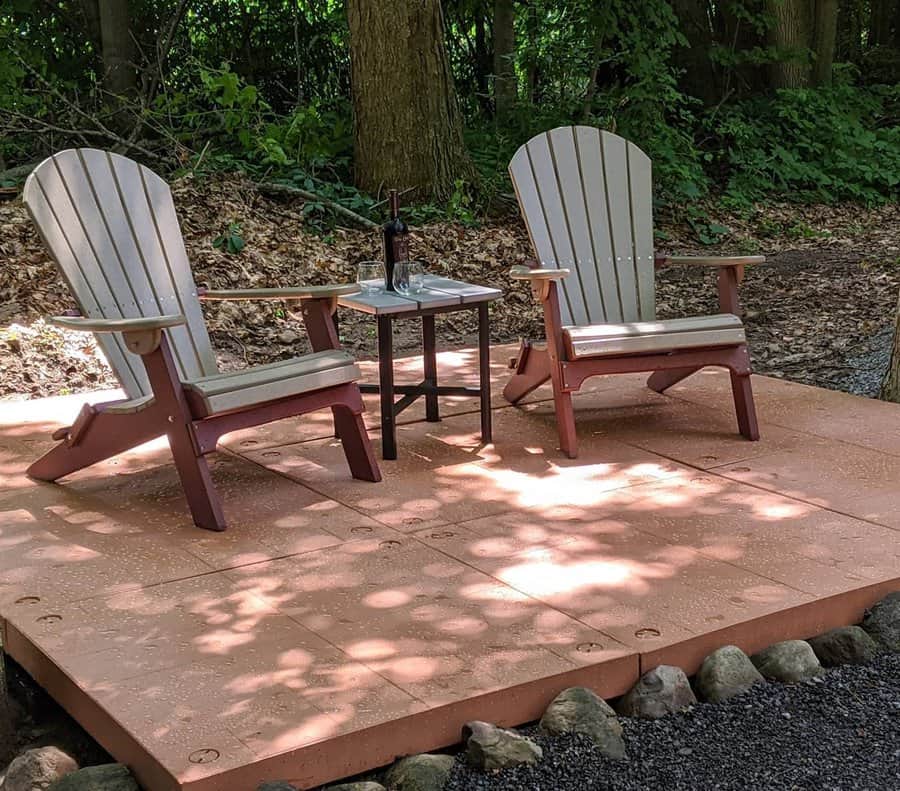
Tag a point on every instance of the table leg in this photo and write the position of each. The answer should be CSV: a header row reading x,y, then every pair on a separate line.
x,y
429,349
386,384
484,371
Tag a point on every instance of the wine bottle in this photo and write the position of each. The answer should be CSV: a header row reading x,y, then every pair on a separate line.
x,y
396,241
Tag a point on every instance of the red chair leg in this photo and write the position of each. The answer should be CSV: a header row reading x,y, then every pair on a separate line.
x,y
744,406
357,447
532,370
565,422
201,494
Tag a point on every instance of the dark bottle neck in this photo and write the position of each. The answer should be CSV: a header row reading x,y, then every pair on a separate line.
x,y
395,204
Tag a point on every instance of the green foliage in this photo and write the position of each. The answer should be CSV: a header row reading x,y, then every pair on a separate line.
x,y
811,144
230,240
262,86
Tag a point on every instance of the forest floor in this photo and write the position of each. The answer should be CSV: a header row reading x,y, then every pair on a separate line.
x,y
820,311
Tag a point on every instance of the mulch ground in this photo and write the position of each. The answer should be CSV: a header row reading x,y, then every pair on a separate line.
x,y
820,311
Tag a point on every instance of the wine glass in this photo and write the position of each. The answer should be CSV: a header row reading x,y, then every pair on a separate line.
x,y
416,276
409,277
370,276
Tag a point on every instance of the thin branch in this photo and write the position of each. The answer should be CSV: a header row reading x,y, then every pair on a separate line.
x,y
285,189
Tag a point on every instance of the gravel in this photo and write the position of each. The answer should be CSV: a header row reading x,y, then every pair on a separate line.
x,y
838,732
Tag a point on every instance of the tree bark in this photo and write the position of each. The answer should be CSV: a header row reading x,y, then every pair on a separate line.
x,y
824,36
883,12
119,76
407,123
735,33
849,36
698,78
890,387
505,86
790,35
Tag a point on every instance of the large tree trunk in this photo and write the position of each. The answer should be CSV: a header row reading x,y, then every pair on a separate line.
x,y
890,388
883,12
119,75
849,31
790,35
408,127
505,88
698,79
735,33
532,71
483,64
824,35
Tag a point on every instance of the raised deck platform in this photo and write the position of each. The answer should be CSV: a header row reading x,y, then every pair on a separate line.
x,y
338,624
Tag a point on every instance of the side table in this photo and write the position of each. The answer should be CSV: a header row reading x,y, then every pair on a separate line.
x,y
440,295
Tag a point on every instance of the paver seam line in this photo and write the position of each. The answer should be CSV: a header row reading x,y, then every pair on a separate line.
x,y
688,400
712,471
653,535
626,486
612,513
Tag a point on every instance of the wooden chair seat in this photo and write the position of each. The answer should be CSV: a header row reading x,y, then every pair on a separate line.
x,y
644,337
225,392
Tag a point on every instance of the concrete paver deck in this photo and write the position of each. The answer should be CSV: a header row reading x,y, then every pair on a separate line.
x,y
337,623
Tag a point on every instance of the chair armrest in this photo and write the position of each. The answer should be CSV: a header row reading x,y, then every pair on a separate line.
x,y
710,260
148,324
526,273
142,336
294,292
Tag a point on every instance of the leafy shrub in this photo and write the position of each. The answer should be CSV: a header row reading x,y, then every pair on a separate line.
x,y
825,144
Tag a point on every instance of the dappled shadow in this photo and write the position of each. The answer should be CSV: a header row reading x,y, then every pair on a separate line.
x,y
332,605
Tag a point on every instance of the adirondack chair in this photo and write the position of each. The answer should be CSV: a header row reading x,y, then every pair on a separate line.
x,y
111,227
585,195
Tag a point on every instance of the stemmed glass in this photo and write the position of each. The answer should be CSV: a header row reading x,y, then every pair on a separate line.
x,y
370,276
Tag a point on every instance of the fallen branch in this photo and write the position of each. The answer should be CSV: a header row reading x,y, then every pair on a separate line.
x,y
286,189
17,173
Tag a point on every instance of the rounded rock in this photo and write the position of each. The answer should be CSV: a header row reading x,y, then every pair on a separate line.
x,y
789,662
882,622
490,748
38,769
423,772
105,777
846,645
362,785
580,710
725,673
661,691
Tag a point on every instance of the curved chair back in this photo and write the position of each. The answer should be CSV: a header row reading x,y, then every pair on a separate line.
x,y
586,197
110,224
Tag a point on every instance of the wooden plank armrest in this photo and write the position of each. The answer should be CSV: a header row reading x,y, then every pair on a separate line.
x,y
710,260
526,273
293,292
148,324
141,335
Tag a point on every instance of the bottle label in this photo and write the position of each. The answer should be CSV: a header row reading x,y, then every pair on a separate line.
x,y
400,246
